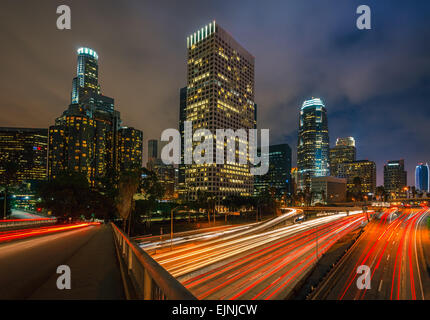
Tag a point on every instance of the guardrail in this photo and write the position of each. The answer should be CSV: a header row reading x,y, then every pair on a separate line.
x,y
150,280
12,223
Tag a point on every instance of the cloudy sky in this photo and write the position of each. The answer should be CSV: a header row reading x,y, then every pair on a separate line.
x,y
375,83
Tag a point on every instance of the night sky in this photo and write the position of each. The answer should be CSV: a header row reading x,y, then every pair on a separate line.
x,y
375,83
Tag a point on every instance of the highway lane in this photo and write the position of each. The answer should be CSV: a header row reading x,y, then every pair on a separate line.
x,y
395,247
255,265
28,266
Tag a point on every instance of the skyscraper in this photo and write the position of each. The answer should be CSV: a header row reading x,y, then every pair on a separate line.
x,y
220,95
87,74
85,137
279,175
422,177
344,151
27,148
395,177
313,142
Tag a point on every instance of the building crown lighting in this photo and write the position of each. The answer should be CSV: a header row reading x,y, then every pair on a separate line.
x,y
312,102
201,34
88,51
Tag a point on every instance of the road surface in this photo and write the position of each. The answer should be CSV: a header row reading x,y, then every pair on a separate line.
x,y
396,248
28,266
242,264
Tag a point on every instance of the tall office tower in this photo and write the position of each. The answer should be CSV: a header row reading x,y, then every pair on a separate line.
x,y
220,95
365,170
422,177
27,149
85,137
313,143
278,177
87,78
130,144
395,178
344,151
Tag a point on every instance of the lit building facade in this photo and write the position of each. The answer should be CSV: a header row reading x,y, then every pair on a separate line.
x,y
363,169
422,177
395,178
130,144
344,151
279,175
220,95
313,143
27,148
85,138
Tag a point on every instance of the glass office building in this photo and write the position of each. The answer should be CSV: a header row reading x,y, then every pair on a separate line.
x,y
313,143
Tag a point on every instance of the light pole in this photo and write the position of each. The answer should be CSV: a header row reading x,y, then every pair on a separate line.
x,y
171,228
4,204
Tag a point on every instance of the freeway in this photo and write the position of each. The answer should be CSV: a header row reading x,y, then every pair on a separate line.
x,y
396,247
257,262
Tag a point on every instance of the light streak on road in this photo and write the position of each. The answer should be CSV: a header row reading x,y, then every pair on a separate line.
x,y
259,262
25,233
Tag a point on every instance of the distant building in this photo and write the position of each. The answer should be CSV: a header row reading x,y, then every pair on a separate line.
x,y
279,175
328,189
165,172
313,142
344,151
180,186
27,148
422,177
365,170
395,178
130,144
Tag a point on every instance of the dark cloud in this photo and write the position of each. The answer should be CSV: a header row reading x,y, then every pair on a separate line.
x,y
375,83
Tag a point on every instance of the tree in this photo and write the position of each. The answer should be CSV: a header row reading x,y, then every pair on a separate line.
x,y
357,190
380,192
67,195
128,185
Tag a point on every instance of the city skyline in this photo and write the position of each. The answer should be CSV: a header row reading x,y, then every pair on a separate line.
x,y
354,109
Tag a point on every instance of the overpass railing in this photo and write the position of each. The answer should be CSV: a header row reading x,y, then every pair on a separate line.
x,y
16,223
150,280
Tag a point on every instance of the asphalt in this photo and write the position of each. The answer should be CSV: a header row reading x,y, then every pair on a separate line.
x,y
28,267
397,258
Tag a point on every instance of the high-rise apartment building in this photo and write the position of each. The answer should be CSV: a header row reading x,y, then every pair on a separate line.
x,y
220,95
27,149
395,178
279,175
344,151
422,177
313,143
359,174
